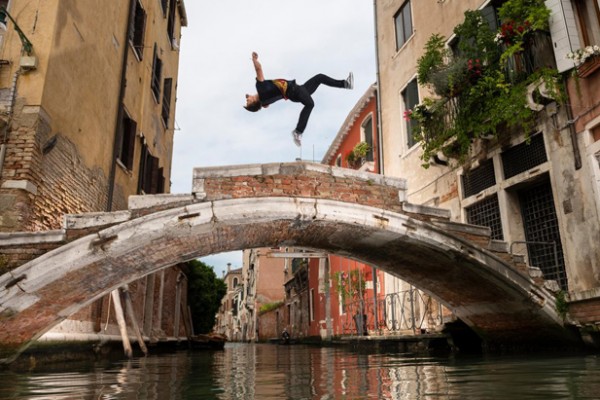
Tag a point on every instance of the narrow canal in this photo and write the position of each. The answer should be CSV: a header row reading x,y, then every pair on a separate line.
x,y
263,371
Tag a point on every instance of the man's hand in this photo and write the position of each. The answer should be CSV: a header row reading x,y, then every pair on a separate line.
x,y
257,67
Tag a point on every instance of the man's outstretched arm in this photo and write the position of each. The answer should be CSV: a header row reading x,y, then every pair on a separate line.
x,y
257,67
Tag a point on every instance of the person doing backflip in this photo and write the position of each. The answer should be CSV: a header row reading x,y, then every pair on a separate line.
x,y
271,90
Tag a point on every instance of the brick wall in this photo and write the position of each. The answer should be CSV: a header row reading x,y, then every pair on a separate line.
x,y
58,180
271,323
585,312
300,180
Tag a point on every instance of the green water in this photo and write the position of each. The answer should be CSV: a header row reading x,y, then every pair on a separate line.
x,y
263,371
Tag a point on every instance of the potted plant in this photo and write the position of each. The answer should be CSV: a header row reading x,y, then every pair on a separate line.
x,y
357,156
586,60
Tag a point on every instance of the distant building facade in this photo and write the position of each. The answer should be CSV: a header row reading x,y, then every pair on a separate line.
x,y
252,309
263,277
227,320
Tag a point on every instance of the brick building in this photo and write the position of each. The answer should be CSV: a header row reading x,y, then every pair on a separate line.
x,y
87,106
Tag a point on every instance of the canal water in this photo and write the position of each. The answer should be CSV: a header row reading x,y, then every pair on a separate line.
x,y
267,371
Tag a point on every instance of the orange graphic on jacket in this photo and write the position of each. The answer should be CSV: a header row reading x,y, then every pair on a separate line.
x,y
282,85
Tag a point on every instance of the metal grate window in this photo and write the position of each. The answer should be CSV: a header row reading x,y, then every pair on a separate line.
x,y
524,156
478,179
542,233
487,213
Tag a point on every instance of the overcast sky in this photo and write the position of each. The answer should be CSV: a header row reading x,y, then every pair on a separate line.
x,y
294,40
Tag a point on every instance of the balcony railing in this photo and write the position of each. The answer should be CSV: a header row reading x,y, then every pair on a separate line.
x,y
538,53
407,312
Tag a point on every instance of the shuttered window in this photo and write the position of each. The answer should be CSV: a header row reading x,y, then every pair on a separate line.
x,y
128,129
137,30
156,74
563,30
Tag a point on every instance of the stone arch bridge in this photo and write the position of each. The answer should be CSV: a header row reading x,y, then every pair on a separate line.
x,y
355,214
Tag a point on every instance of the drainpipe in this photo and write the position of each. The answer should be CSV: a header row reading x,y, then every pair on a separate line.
x,y
378,97
573,135
118,125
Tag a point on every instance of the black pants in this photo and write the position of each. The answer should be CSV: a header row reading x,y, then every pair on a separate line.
x,y
302,94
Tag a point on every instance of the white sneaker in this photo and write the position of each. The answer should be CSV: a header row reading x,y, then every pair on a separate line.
x,y
297,138
349,81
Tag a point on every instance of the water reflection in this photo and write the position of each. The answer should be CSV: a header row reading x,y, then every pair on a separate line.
x,y
246,371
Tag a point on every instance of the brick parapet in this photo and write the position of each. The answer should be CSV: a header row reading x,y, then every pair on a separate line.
x,y
299,180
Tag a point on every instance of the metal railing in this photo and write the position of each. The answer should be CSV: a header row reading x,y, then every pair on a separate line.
x,y
410,312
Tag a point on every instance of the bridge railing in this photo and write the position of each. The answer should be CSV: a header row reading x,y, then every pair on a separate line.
x,y
407,312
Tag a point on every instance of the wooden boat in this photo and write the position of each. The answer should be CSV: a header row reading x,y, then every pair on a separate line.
x,y
211,341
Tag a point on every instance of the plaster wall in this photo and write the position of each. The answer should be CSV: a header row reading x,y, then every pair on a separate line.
x,y
397,67
574,189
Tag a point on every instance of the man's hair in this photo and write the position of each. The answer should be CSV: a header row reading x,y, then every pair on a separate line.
x,y
254,107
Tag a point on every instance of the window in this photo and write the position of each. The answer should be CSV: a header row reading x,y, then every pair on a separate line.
x,y
403,22
128,128
588,15
338,160
171,21
156,74
480,178
366,133
544,249
565,35
487,213
342,304
166,102
4,5
137,30
524,156
311,299
164,4
150,179
410,98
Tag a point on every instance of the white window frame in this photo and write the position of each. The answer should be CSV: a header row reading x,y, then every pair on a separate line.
x,y
403,108
400,11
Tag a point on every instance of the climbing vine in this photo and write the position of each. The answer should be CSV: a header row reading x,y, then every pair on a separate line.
x,y
480,87
351,285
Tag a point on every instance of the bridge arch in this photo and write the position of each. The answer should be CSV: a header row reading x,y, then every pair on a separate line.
x,y
500,303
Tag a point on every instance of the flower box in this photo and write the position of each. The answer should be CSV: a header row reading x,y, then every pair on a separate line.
x,y
588,67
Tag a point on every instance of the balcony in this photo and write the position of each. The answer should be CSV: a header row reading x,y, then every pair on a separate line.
x,y
484,85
